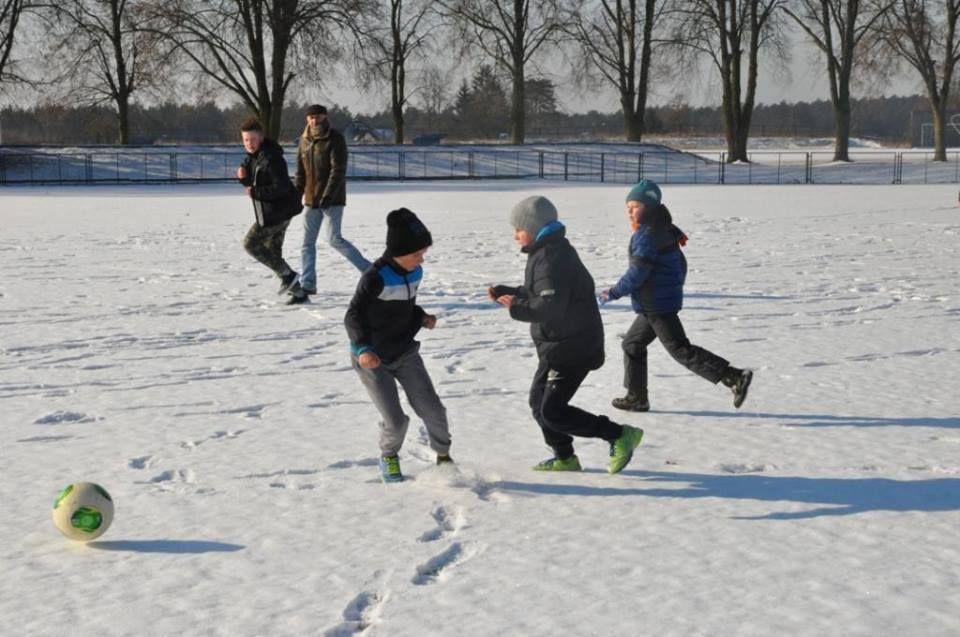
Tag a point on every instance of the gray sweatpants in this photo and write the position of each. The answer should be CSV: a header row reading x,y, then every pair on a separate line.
x,y
410,373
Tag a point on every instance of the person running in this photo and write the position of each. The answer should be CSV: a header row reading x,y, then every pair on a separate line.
x,y
322,178
264,175
382,321
654,282
558,299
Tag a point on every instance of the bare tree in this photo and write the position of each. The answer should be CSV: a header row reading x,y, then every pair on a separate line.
x,y
731,34
386,51
924,34
106,53
11,14
510,32
434,89
255,48
841,30
616,38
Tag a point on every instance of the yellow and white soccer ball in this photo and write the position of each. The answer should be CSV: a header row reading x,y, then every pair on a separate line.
x,y
83,511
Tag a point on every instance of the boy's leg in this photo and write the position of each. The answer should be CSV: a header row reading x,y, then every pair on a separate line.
x,y
333,237
704,363
561,443
413,377
560,417
266,245
382,389
312,220
635,343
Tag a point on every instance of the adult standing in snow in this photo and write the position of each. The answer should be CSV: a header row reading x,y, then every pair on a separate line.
x,y
654,280
267,182
322,178
558,299
382,321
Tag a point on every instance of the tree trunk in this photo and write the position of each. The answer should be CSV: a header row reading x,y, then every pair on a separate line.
x,y
939,110
123,119
632,128
841,143
517,122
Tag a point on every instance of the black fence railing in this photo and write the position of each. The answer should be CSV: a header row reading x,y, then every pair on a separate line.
x,y
665,166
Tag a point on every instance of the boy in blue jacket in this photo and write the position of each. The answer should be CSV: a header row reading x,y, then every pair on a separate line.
x,y
382,321
654,281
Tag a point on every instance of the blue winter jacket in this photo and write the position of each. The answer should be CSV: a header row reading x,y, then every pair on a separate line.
x,y
656,274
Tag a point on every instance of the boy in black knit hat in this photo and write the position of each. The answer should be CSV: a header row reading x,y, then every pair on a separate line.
x,y
382,321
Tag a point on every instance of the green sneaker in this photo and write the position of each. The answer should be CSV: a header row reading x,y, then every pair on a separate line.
x,y
621,449
390,469
556,464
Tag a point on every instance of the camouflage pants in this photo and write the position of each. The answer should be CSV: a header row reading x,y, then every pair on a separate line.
x,y
266,246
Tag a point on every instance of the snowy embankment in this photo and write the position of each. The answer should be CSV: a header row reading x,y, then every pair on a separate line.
x,y
142,349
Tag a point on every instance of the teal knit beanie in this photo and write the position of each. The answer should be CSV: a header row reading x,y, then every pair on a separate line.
x,y
646,192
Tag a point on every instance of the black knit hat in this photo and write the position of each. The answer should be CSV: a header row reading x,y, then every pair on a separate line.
x,y
316,109
406,234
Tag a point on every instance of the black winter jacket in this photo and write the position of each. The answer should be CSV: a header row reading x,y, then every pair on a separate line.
x,y
383,316
558,299
274,197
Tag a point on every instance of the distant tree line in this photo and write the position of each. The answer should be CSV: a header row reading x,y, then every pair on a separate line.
x,y
473,117
110,53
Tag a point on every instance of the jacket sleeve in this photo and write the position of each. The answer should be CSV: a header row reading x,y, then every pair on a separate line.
x,y
548,297
338,168
247,166
501,290
641,264
301,177
279,186
356,322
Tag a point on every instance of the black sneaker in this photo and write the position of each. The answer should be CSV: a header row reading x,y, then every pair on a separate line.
x,y
633,401
298,299
309,291
444,458
738,380
287,281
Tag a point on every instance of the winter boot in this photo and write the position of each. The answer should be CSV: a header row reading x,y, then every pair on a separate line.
x,y
633,401
444,458
621,449
297,295
738,380
557,464
287,281
390,469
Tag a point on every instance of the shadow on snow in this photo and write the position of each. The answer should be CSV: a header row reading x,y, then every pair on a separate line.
x,y
166,546
833,496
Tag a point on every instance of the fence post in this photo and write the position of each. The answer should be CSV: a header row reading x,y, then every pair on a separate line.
x,y
470,166
541,164
808,169
401,165
722,168
566,166
88,169
603,167
779,162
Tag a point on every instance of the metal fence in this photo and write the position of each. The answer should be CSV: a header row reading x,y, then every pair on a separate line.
x,y
665,166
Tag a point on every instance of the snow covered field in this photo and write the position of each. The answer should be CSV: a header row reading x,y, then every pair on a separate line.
x,y
142,349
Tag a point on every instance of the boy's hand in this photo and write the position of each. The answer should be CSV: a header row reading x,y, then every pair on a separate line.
x,y
604,297
241,173
368,360
429,321
492,294
506,300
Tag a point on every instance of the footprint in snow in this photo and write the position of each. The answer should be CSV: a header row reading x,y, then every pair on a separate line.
x,y
438,567
361,613
449,522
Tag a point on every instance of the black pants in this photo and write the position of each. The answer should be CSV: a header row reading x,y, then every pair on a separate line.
x,y
669,329
550,395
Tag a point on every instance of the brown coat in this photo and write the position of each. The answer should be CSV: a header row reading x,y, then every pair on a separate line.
x,y
322,169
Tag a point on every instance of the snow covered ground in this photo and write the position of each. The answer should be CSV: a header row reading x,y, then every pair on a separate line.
x,y
142,349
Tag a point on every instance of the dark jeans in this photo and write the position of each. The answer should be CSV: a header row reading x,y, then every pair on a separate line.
x,y
669,329
550,395
266,246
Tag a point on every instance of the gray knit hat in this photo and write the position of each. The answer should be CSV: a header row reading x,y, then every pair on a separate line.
x,y
532,214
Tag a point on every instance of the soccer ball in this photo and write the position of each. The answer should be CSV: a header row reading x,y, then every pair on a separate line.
x,y
83,511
